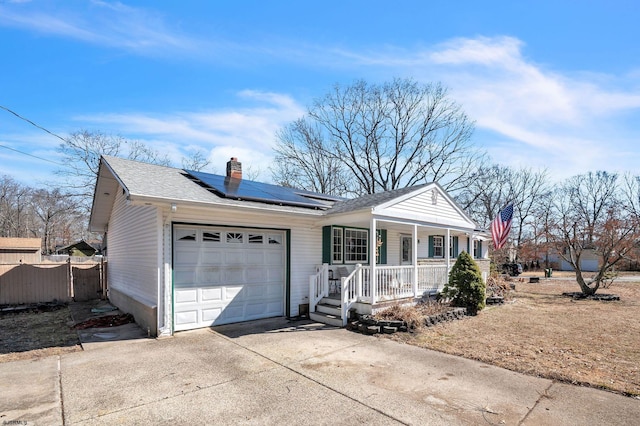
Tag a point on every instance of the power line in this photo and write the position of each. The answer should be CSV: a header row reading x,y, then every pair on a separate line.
x,y
31,155
32,123
39,127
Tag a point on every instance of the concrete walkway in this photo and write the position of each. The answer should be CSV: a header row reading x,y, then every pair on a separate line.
x,y
280,372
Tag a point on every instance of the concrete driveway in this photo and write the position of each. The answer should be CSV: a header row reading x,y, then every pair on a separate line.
x,y
280,372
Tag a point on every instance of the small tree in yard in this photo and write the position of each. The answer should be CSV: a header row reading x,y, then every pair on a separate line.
x,y
594,212
465,287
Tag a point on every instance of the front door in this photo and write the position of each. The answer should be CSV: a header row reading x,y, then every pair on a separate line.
x,y
406,246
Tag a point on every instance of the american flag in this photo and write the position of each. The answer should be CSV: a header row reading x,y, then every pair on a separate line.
x,y
501,226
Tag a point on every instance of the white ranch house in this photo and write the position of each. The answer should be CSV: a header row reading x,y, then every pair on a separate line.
x,y
189,250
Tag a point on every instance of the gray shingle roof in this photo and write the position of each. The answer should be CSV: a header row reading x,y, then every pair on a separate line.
x,y
161,182
171,184
371,200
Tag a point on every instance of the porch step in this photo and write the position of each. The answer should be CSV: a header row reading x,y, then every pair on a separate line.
x,y
328,319
334,301
327,308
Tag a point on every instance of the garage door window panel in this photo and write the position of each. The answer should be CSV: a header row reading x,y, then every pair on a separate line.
x,y
186,235
235,237
211,237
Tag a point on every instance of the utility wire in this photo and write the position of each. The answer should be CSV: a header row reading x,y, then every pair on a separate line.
x,y
31,155
39,127
32,123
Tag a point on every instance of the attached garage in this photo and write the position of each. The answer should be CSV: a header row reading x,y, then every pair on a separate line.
x,y
223,275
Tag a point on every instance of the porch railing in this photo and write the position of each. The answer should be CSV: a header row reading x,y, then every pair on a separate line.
x,y
394,282
318,286
432,278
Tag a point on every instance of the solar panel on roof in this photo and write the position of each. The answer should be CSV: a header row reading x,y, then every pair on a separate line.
x,y
255,191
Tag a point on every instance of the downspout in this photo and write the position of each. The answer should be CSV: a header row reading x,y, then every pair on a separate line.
x,y
165,320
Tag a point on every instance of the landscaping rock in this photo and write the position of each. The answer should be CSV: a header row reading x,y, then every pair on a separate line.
x,y
372,329
389,330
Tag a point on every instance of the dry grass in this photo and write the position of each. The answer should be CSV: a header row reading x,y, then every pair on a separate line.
x,y
542,333
412,315
37,334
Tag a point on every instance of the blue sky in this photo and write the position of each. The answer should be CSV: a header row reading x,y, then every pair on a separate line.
x,y
550,84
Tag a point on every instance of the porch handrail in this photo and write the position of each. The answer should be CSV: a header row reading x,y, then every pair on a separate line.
x,y
318,286
351,290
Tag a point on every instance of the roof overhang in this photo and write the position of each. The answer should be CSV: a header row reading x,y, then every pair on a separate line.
x,y
104,195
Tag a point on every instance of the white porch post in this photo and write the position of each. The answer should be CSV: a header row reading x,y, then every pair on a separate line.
x,y
414,254
373,242
472,238
447,248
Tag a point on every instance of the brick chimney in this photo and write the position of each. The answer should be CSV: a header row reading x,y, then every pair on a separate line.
x,y
234,169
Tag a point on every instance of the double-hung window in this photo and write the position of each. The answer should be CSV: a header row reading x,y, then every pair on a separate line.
x,y
342,244
477,249
337,242
438,246
356,245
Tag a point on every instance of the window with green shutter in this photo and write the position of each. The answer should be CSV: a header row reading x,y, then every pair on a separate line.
x,y
343,245
453,246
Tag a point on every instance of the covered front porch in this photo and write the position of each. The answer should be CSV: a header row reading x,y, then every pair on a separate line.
x,y
387,248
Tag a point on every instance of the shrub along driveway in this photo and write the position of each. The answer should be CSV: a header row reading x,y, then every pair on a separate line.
x,y
279,372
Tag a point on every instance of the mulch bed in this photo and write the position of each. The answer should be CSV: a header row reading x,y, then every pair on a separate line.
x,y
598,296
105,321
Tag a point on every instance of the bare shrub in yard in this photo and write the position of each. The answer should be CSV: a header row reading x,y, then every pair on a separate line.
x,y
413,316
498,286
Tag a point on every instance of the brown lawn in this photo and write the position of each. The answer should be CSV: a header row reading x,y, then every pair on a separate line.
x,y
37,334
542,333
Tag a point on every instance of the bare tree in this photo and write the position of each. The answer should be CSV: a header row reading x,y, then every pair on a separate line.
x,y
15,217
301,160
81,156
55,215
382,137
197,161
589,214
491,189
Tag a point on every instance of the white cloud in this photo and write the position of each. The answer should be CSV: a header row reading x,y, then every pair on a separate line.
x,y
102,23
527,114
568,122
247,132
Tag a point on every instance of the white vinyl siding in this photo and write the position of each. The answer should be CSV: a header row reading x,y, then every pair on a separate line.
x,y
132,250
421,208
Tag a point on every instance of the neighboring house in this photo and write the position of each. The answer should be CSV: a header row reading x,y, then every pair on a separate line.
x,y
79,249
20,250
589,261
191,249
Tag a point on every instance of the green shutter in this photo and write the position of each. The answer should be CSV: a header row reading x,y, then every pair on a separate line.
x,y
455,246
468,245
430,245
382,250
326,244
479,255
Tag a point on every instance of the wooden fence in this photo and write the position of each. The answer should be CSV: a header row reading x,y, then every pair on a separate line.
x,y
39,283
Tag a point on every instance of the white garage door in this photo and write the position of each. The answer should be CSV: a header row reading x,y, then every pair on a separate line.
x,y
225,275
